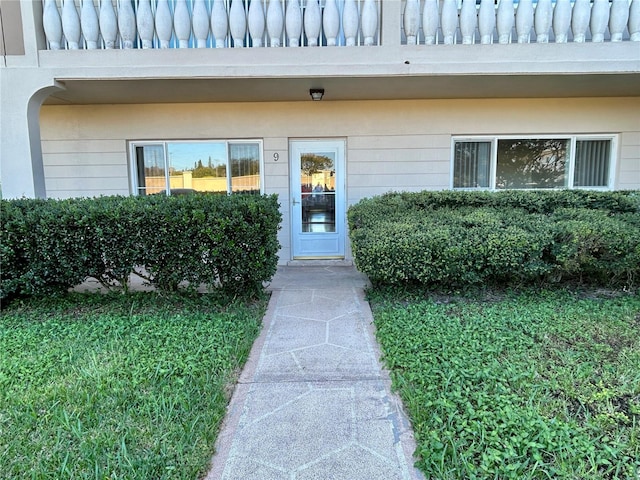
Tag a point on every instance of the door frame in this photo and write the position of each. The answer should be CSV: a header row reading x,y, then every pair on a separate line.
x,y
302,242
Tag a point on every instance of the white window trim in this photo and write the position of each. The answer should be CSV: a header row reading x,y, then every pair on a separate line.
x,y
573,138
133,172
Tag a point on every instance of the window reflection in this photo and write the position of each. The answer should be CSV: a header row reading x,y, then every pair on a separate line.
x,y
531,163
200,166
150,167
207,166
245,167
317,181
472,164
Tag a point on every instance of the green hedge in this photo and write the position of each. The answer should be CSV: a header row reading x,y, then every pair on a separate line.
x,y
453,238
227,242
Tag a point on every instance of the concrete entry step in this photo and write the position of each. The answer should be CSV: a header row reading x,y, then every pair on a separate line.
x,y
320,263
317,276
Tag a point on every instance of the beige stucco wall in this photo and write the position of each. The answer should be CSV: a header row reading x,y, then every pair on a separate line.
x,y
391,145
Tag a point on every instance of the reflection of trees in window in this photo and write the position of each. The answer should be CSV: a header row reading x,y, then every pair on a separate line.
x,y
244,166
245,159
203,166
200,171
311,163
153,171
531,163
244,162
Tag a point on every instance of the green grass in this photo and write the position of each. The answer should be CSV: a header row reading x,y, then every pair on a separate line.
x,y
535,385
117,387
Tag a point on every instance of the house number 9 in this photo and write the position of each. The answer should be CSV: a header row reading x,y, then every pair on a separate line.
x,y
276,157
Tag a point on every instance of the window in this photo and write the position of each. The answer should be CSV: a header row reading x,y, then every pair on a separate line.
x,y
532,163
203,166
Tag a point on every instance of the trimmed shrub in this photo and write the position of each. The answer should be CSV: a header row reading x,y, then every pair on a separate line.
x,y
464,238
43,246
14,244
227,242
593,245
115,239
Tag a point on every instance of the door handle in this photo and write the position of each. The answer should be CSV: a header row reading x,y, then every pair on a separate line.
x,y
294,201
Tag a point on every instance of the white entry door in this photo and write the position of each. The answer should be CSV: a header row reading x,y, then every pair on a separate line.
x,y
318,198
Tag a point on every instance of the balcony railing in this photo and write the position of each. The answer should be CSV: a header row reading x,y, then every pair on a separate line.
x,y
524,21
106,24
144,24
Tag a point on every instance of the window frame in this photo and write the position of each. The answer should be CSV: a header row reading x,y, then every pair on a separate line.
x,y
134,186
571,161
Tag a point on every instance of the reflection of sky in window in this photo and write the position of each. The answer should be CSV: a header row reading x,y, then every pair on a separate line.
x,y
183,156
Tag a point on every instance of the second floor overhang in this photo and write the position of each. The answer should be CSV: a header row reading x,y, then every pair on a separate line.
x,y
390,65
373,73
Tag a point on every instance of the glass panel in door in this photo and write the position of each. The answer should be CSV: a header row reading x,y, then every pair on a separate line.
x,y
318,191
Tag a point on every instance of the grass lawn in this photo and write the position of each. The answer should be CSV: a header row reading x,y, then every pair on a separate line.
x,y
117,387
531,385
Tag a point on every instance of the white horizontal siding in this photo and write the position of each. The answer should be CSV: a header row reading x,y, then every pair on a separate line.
x,y
277,183
276,144
632,138
273,168
391,141
83,167
401,153
629,161
401,167
72,159
389,182
85,186
84,171
98,145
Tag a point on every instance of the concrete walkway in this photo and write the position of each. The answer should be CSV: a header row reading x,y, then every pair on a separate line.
x,y
313,401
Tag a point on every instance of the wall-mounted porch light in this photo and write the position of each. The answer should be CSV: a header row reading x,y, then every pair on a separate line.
x,y
316,94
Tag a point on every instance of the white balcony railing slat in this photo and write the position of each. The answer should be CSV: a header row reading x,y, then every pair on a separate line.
x,y
126,23
542,20
201,22
275,22
145,23
71,24
52,24
312,22
369,21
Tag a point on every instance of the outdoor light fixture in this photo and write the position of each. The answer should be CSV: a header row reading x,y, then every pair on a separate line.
x,y
316,94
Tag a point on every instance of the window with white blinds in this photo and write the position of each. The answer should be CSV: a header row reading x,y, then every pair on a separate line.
x,y
471,164
551,162
592,163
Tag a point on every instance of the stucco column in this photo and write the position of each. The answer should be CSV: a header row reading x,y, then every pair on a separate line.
x,y
21,168
390,22
22,32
